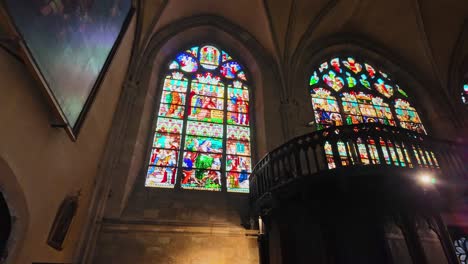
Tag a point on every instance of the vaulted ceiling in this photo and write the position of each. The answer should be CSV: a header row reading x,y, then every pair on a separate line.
x,y
427,35
421,33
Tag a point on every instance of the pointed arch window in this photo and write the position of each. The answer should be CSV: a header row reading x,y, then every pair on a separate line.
x,y
347,91
202,136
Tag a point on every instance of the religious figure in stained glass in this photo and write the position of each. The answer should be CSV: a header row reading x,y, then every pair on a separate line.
x,y
203,125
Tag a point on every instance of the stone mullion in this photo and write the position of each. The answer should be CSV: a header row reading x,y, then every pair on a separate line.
x,y
224,157
180,164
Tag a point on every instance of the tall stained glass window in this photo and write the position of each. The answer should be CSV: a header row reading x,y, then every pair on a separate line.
x,y
202,137
345,90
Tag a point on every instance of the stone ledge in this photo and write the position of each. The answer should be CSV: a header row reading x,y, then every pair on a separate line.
x,y
173,227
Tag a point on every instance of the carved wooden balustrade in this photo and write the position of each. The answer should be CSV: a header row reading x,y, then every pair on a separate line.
x,y
352,147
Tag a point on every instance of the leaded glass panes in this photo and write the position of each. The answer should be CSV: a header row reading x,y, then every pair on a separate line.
x,y
361,107
202,133
348,91
327,112
408,116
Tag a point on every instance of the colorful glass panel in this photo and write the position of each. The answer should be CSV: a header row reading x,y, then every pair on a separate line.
x,y
207,89
204,129
169,97
360,107
401,157
230,69
238,164
314,79
343,154
385,152
238,100
434,159
335,64
333,81
236,147
174,65
241,119
401,91
208,78
209,57
204,144
383,88
174,111
193,107
169,125
241,75
362,150
408,116
176,85
329,155
193,51
325,108
238,133
163,157
465,94
163,177
225,56
363,80
374,155
201,179
238,181
187,63
370,70
166,140
351,80
203,161
350,75
352,65
323,66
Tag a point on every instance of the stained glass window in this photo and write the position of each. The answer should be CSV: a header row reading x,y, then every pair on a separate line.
x,y
408,116
326,110
345,90
464,95
202,135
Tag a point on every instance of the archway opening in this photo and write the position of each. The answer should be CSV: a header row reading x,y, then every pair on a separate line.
x,y
5,226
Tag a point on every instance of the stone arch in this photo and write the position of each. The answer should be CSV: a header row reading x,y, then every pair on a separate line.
x,y
212,29
16,201
433,112
134,119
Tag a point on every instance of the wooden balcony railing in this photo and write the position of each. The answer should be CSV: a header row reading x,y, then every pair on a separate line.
x,y
357,145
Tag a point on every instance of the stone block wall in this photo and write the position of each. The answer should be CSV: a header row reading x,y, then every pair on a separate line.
x,y
153,244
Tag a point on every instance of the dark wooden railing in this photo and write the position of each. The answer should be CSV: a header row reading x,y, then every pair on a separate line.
x,y
357,145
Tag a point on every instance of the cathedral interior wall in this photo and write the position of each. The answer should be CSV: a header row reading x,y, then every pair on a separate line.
x,y
48,165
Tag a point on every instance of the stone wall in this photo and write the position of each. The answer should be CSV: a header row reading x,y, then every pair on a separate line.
x,y
46,163
156,244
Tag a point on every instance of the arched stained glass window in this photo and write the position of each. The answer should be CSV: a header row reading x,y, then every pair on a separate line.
x,y
347,91
202,137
